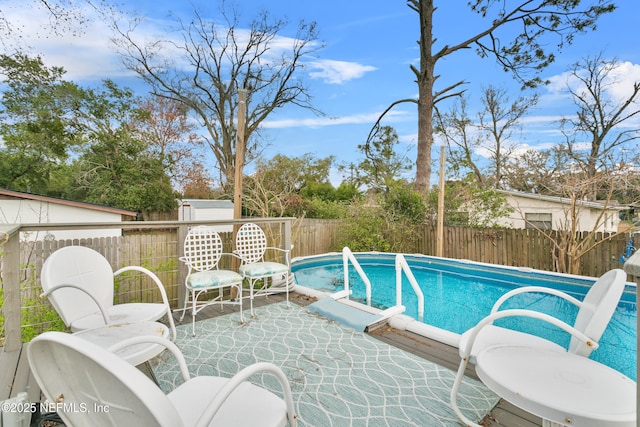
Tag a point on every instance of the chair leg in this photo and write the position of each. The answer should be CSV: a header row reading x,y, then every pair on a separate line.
x,y
251,283
454,394
286,284
240,301
184,307
193,313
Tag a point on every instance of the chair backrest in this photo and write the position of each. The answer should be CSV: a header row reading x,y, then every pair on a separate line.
x,y
81,266
251,243
94,387
203,248
597,308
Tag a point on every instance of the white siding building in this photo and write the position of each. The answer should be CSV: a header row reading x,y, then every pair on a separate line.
x,y
549,212
26,208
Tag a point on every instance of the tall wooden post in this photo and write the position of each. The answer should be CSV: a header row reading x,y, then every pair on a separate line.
x,y
240,144
440,227
237,183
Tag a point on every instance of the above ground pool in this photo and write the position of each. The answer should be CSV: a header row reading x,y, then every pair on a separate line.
x,y
457,294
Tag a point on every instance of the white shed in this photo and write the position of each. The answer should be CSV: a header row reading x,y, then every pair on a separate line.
x,y
26,208
548,212
204,210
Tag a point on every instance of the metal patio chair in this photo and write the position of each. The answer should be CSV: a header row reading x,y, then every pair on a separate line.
x,y
79,282
251,246
202,253
95,387
595,312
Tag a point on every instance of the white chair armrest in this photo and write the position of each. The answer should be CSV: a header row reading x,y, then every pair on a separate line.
x,y
239,378
103,310
534,289
160,286
149,273
287,252
182,363
526,313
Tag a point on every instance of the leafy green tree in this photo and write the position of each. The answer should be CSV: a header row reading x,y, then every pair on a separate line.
x,y
119,168
403,203
82,144
294,173
295,186
381,165
37,129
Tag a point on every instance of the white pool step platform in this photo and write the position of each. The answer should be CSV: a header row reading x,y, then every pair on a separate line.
x,y
354,315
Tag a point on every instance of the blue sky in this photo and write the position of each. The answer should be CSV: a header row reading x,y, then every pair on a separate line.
x,y
362,68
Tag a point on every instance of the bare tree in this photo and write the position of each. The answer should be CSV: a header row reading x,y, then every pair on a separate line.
x,y
522,54
65,17
602,119
213,61
492,132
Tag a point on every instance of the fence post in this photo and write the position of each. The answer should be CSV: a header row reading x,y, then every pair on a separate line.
x,y
286,240
12,302
182,231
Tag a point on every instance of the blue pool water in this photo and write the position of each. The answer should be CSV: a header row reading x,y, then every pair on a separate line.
x,y
458,294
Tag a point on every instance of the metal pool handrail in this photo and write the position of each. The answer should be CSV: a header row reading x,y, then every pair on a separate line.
x,y
347,256
403,266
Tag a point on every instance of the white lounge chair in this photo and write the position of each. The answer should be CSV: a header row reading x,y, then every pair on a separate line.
x,y
93,387
594,314
251,246
79,282
202,253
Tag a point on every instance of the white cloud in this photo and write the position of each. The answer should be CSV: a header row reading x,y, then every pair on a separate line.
x,y
337,72
330,121
618,84
622,79
83,51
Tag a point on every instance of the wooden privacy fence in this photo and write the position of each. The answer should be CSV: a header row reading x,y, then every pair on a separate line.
x,y
512,247
158,248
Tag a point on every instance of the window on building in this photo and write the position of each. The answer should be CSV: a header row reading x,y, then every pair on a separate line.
x,y
541,220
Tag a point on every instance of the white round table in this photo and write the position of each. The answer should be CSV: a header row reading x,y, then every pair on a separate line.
x,y
106,336
561,388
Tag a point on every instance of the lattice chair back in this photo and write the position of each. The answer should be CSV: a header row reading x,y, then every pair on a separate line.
x,y
203,248
251,243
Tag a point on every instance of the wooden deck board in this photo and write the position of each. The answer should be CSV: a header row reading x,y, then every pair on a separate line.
x,y
15,375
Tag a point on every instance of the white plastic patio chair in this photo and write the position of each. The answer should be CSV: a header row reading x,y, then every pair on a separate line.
x,y
93,387
251,246
79,282
202,254
594,314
